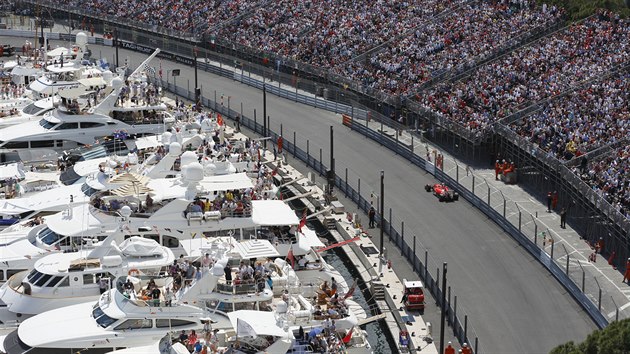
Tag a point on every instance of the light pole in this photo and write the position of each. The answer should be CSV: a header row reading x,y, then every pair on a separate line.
x,y
331,178
382,213
264,112
116,44
443,317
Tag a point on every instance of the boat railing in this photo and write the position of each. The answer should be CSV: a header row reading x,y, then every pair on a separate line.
x,y
236,289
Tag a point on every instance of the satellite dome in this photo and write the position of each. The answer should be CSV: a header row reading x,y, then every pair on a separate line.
x,y
82,39
174,149
188,157
193,172
166,138
125,211
117,83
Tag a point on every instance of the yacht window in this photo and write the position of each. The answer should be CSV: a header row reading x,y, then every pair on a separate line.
x,y
104,320
163,323
54,281
170,242
16,145
97,312
33,275
65,282
46,124
31,109
65,126
135,324
43,280
91,124
48,236
88,279
12,272
87,190
42,143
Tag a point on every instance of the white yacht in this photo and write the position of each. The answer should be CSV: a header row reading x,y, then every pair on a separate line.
x,y
66,68
68,127
31,111
63,279
120,318
114,321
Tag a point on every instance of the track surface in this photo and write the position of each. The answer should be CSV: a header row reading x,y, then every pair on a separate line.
x,y
514,304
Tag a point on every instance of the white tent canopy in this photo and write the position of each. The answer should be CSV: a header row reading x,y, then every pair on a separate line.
x,y
273,213
262,323
58,51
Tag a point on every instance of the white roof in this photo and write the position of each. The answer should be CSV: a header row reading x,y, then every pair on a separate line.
x,y
169,188
309,239
92,81
58,51
226,182
24,71
52,199
11,170
76,221
273,213
21,250
413,284
84,168
148,142
263,323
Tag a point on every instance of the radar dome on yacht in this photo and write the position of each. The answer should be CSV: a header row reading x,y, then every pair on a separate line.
x,y
82,39
217,270
193,172
206,125
187,158
174,149
166,137
108,76
125,211
117,83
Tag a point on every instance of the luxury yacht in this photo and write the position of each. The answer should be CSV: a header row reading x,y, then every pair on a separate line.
x,y
63,279
68,126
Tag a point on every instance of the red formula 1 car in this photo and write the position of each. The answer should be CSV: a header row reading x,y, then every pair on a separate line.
x,y
442,192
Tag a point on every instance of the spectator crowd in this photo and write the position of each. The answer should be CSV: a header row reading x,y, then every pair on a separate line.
x,y
533,73
470,33
582,121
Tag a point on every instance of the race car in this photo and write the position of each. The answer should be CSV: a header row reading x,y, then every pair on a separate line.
x,y
442,192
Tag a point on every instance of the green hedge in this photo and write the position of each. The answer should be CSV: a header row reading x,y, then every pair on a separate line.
x,y
578,9
614,339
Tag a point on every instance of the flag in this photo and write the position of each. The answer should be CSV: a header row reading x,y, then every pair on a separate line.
x,y
342,243
219,120
302,221
244,329
348,336
290,257
351,290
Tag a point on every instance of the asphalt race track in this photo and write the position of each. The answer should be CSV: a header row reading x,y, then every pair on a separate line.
x,y
514,305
